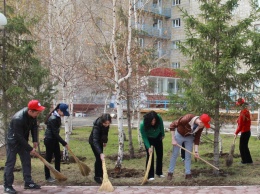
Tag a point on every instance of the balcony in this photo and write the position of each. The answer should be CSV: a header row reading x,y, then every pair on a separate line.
x,y
155,9
148,30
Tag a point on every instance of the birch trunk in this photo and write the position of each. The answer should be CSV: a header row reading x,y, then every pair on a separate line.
x,y
114,54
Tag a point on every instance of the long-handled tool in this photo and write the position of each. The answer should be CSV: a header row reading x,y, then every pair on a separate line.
x,y
84,169
198,157
229,159
106,184
57,174
148,167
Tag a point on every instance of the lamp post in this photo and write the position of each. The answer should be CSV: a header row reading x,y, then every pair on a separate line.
x,y
3,20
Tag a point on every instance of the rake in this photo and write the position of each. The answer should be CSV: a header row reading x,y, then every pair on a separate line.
x,y
148,167
59,176
84,169
229,159
106,184
198,157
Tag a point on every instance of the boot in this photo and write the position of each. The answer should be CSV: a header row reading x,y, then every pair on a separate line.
x,y
169,177
188,176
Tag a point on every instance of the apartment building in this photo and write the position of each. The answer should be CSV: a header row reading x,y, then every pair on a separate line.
x,y
162,20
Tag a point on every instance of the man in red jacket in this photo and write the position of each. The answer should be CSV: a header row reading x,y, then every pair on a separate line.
x,y
243,126
187,129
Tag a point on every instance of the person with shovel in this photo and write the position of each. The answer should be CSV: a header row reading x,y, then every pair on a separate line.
x,y
22,124
152,131
243,127
52,138
187,129
98,140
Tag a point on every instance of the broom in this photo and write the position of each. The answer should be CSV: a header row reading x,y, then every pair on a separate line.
x,y
229,159
198,157
106,184
57,174
148,167
84,169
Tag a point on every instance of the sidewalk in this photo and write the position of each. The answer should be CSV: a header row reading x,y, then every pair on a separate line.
x,y
225,129
144,189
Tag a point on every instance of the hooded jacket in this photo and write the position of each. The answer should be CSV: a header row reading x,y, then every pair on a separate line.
x,y
99,135
53,129
19,129
184,126
243,121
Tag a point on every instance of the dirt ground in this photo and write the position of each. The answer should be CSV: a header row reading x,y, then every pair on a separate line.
x,y
136,174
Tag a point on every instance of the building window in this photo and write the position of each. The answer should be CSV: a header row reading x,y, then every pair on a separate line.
x,y
172,86
176,2
175,65
175,44
257,28
176,23
141,42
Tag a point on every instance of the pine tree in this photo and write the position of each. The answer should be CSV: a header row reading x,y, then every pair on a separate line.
x,y
217,47
24,78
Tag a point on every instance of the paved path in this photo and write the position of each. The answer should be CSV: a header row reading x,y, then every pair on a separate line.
x,y
145,189
88,121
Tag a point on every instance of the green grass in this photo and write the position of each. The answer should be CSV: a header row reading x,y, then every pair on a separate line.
x,y
234,175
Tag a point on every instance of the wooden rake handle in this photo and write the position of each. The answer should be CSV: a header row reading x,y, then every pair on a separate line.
x,y
234,141
198,157
73,155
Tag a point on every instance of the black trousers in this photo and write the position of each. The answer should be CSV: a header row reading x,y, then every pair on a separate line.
x,y
11,152
52,148
158,146
243,147
98,162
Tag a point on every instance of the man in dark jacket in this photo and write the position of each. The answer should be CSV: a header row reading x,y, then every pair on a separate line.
x,y
22,123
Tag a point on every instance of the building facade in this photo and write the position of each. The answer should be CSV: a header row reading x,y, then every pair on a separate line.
x,y
170,30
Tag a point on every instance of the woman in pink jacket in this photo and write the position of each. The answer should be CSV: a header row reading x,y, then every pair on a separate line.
x,y
243,126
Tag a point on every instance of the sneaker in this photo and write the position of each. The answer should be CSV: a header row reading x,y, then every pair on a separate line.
x,y
161,176
50,180
31,186
9,190
151,179
98,180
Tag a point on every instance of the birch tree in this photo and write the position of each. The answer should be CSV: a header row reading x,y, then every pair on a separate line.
x,y
62,37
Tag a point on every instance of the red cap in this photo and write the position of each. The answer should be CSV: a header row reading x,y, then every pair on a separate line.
x,y
205,119
240,101
35,105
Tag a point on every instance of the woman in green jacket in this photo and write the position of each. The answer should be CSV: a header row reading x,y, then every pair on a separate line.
x,y
152,131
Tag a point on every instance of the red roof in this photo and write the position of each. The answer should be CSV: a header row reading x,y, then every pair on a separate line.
x,y
163,72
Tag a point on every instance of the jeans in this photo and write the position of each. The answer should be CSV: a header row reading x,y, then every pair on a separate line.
x,y
188,141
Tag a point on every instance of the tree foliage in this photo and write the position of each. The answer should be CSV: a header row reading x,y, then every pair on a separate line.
x,y
223,56
24,78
